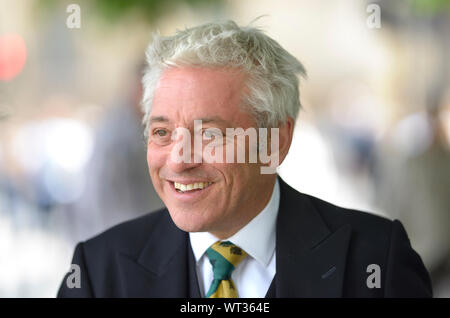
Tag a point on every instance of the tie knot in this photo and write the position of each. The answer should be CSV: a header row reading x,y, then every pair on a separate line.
x,y
224,257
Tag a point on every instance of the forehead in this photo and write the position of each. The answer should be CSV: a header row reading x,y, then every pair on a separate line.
x,y
184,94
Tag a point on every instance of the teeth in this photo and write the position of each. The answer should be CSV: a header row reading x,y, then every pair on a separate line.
x,y
191,186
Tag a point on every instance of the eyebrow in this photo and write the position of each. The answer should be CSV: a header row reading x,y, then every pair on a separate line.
x,y
158,119
205,120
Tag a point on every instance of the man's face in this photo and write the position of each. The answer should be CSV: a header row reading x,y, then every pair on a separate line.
x,y
237,191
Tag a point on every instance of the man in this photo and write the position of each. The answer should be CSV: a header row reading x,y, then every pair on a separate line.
x,y
230,228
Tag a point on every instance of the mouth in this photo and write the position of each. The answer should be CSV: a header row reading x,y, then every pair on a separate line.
x,y
196,186
190,191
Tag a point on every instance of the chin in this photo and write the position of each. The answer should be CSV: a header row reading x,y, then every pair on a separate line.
x,y
188,222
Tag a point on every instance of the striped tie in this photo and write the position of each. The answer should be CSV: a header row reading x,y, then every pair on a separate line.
x,y
224,257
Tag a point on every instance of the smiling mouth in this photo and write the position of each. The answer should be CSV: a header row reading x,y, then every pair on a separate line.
x,y
191,187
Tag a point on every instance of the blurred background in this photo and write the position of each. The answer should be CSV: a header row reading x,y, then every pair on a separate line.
x,y
374,133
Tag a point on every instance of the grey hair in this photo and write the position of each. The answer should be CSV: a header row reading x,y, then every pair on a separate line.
x,y
273,85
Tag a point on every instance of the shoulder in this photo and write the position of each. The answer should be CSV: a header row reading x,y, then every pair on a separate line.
x,y
381,241
370,234
361,221
332,215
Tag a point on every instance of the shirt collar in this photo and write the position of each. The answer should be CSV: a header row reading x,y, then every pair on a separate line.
x,y
257,238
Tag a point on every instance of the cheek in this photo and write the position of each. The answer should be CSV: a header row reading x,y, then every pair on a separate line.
x,y
245,176
236,176
155,157
155,161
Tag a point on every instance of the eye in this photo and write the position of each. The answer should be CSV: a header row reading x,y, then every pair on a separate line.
x,y
161,136
160,132
209,133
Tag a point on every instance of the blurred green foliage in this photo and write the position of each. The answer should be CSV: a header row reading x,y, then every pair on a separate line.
x,y
113,10
150,9
430,7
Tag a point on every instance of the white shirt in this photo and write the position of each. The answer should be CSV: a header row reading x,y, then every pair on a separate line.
x,y
255,273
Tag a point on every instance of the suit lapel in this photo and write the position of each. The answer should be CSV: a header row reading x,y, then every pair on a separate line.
x,y
310,259
162,268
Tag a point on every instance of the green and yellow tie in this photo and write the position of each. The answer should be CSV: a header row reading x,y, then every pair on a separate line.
x,y
224,257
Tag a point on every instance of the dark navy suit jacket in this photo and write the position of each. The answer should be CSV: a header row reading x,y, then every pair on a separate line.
x,y
321,251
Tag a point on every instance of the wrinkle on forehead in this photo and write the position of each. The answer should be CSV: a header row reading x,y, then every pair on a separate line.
x,y
188,93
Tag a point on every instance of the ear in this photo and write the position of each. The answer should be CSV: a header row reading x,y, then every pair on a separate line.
x,y
286,132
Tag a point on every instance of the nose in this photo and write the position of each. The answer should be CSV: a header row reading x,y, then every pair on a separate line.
x,y
184,154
